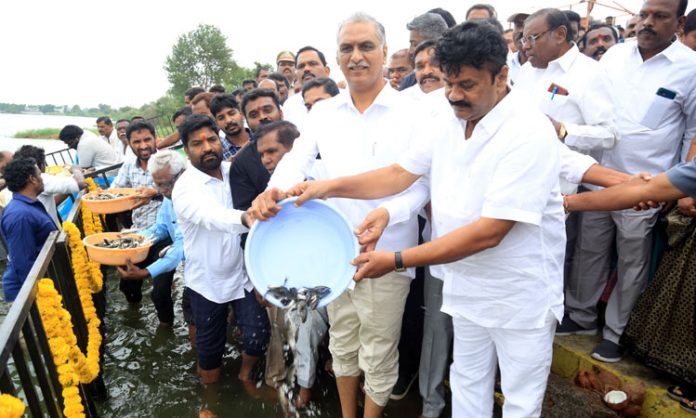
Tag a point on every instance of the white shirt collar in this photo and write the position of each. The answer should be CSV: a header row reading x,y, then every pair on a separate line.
x,y
498,115
200,177
387,97
671,52
566,60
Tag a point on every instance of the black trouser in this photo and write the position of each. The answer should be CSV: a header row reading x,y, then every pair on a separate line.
x,y
161,286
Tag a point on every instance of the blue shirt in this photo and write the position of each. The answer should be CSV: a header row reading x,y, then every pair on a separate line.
x,y
683,177
166,227
25,225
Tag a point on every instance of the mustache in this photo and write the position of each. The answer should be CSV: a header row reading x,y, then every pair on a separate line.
x,y
354,65
231,125
431,77
213,153
459,103
599,51
647,30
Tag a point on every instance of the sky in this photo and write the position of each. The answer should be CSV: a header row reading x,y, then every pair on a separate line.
x,y
89,52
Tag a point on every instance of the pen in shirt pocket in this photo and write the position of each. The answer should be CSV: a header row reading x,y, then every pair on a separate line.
x,y
557,90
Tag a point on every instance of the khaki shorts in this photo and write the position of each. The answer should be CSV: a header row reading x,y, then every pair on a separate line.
x,y
365,331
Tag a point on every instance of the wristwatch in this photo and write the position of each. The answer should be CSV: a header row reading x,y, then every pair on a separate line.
x,y
399,263
562,132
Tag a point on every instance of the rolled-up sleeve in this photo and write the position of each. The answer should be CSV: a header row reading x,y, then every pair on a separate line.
x,y
683,177
574,165
201,210
172,259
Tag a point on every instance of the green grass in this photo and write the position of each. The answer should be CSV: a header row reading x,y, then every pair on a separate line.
x,y
46,133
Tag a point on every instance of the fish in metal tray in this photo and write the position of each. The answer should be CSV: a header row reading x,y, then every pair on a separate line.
x,y
106,196
121,242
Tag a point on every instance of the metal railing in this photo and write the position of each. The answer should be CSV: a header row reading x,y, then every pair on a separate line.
x,y
26,363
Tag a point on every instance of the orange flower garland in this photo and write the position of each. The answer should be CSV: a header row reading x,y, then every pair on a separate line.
x,y
11,407
91,223
72,366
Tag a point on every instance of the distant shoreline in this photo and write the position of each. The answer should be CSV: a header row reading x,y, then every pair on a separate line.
x,y
44,133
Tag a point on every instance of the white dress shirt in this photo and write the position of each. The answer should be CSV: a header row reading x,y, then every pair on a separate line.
x,y
295,111
54,185
94,152
413,92
214,265
652,127
350,143
508,169
588,109
513,63
115,142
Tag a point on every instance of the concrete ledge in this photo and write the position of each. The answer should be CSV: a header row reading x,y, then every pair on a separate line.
x,y
572,353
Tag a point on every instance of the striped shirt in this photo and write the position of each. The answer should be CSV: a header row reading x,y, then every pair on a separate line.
x,y
132,175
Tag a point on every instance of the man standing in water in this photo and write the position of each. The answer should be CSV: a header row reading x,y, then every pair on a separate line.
x,y
214,269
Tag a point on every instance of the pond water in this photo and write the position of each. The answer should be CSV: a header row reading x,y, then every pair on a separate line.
x,y
11,123
150,371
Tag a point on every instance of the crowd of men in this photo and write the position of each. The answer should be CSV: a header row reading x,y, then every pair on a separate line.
x,y
454,160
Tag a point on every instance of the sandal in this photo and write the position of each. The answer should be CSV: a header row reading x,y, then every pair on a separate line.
x,y
688,405
678,393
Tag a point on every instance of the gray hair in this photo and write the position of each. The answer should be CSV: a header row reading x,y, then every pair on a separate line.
x,y
362,17
428,25
164,159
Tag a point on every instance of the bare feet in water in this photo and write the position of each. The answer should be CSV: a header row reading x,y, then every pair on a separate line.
x,y
206,413
304,397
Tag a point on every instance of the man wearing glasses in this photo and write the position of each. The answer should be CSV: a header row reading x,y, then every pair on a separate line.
x,y
165,168
573,91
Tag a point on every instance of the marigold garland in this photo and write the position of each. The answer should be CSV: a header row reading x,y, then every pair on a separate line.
x,y
91,223
11,407
72,366
83,268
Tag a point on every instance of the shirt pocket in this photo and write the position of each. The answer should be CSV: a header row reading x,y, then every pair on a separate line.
x,y
657,112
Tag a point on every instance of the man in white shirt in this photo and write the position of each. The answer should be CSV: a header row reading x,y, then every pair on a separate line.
x,y
367,128
570,88
399,67
654,85
121,126
516,60
109,135
318,89
214,269
428,75
311,64
497,221
92,152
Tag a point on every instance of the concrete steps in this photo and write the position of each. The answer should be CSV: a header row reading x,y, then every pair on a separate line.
x,y
572,353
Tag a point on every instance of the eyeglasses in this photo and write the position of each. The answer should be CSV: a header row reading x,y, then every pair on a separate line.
x,y
169,184
531,39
